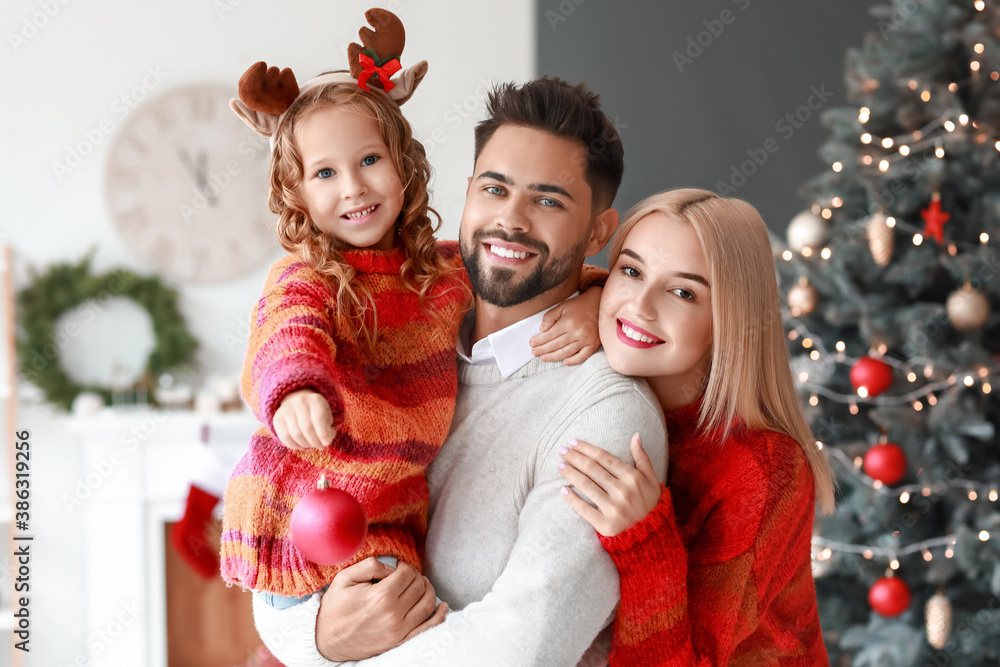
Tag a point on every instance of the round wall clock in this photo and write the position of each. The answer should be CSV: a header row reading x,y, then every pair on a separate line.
x,y
186,186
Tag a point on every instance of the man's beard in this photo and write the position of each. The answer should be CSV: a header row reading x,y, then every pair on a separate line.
x,y
495,285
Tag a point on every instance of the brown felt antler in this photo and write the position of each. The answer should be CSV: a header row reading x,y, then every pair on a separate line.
x,y
268,89
266,93
386,40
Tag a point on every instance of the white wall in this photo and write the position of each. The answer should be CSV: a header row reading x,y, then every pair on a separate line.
x,y
62,79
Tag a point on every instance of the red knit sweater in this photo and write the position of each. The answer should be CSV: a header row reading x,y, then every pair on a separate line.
x,y
392,408
719,573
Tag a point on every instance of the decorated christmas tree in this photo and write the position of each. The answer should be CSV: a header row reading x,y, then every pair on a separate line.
x,y
894,285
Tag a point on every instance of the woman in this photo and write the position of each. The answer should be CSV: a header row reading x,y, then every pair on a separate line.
x,y
715,564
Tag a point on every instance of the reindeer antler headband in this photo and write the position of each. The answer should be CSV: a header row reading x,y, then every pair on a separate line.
x,y
266,93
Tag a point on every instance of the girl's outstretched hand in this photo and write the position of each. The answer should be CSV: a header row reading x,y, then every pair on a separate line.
x,y
569,331
624,495
304,421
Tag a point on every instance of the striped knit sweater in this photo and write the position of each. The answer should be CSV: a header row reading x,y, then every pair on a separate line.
x,y
392,409
719,573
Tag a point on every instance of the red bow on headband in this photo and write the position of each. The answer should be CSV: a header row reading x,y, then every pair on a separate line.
x,y
384,72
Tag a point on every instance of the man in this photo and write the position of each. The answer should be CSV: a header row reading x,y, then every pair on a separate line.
x,y
525,576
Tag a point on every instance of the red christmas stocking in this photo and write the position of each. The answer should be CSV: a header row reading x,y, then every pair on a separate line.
x,y
189,534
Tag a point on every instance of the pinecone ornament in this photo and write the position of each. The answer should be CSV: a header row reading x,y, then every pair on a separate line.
x,y
880,238
938,616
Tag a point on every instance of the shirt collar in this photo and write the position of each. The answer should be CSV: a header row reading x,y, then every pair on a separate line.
x,y
508,348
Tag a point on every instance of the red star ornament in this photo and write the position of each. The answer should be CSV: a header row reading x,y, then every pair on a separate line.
x,y
935,219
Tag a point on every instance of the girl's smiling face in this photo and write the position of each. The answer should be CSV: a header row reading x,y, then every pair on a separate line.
x,y
349,182
656,310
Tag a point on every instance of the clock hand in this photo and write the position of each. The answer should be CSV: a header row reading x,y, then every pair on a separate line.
x,y
202,173
197,173
192,171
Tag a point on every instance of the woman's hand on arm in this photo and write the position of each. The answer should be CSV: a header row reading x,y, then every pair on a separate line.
x,y
569,331
360,617
623,495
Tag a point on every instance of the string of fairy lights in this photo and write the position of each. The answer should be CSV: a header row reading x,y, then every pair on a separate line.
x,y
933,141
825,547
953,127
908,491
915,397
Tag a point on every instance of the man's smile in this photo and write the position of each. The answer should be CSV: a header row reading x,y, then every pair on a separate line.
x,y
506,253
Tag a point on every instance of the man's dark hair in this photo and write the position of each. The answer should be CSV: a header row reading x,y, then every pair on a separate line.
x,y
551,105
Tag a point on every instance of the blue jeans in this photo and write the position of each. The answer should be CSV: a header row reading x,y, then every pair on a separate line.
x,y
285,601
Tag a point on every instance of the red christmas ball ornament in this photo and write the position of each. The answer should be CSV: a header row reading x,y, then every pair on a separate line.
x,y
889,596
885,462
872,374
328,525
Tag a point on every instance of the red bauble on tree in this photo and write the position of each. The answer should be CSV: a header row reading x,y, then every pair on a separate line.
x,y
872,374
328,525
889,596
885,462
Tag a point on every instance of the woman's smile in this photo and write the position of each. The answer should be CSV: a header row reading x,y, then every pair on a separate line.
x,y
630,334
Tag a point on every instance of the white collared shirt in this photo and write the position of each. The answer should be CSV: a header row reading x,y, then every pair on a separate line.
x,y
508,348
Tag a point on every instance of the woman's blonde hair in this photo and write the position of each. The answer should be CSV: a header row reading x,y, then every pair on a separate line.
x,y
749,375
414,228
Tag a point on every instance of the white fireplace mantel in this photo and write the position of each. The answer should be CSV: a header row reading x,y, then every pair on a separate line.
x,y
138,466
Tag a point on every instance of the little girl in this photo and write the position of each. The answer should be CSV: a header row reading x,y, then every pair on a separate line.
x,y
351,361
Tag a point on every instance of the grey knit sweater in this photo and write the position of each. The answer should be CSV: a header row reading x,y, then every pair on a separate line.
x,y
525,576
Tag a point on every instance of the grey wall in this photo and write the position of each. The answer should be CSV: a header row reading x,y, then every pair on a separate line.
x,y
690,123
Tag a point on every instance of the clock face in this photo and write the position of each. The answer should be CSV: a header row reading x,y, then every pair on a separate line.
x,y
187,187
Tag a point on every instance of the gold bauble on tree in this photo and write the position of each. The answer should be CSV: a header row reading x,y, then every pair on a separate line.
x,y
967,309
937,614
802,298
880,238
